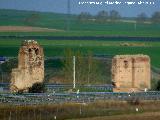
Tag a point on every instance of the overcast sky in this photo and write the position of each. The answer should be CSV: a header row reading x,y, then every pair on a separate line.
x,y
60,6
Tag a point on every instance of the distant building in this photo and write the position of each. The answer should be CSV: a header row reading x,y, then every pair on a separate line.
x,y
131,73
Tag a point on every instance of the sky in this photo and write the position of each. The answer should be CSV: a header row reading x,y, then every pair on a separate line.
x,y
60,6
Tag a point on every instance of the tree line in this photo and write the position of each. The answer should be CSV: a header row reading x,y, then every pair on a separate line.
x,y
142,17
101,17
114,16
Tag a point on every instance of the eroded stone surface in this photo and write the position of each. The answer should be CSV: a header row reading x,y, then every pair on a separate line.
x,y
30,67
131,73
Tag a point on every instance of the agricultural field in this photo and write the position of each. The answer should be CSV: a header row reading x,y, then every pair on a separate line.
x,y
9,47
25,29
74,26
130,33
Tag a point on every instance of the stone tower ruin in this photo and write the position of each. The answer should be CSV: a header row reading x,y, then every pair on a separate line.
x,y
131,73
30,67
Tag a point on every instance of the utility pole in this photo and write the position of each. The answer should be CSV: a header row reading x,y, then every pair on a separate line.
x,y
68,14
74,72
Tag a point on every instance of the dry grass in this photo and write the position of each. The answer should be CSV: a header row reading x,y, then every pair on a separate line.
x,y
110,110
134,44
138,116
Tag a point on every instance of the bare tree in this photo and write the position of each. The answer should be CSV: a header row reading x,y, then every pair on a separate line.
x,y
68,65
84,17
89,70
141,18
156,17
114,16
102,16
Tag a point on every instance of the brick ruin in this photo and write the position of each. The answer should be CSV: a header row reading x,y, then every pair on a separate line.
x,y
30,67
131,73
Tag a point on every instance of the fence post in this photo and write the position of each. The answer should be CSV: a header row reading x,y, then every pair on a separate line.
x,y
74,72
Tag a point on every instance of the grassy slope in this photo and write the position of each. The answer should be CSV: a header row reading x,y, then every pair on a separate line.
x,y
58,21
56,48
17,18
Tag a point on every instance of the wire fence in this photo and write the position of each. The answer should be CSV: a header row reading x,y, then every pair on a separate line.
x,y
77,97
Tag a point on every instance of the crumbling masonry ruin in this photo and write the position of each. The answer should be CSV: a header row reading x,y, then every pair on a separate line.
x,y
131,73
30,67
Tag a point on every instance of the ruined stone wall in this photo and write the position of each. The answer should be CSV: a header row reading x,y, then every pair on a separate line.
x,y
131,72
30,67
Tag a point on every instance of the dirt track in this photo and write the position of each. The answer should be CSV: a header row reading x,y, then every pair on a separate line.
x,y
139,116
25,29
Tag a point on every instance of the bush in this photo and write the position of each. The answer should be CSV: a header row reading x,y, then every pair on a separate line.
x,y
37,88
158,86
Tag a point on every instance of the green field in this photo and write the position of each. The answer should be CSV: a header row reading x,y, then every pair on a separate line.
x,y
57,47
138,33
59,21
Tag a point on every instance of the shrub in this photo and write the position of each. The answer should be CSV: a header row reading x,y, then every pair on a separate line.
x,y
37,88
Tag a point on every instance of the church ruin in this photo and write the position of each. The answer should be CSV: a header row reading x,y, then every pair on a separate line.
x,y
30,67
131,73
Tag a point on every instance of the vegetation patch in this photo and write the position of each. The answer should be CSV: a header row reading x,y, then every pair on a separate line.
x,y
74,110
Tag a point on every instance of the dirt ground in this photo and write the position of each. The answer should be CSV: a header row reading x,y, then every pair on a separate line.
x,y
25,29
138,116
